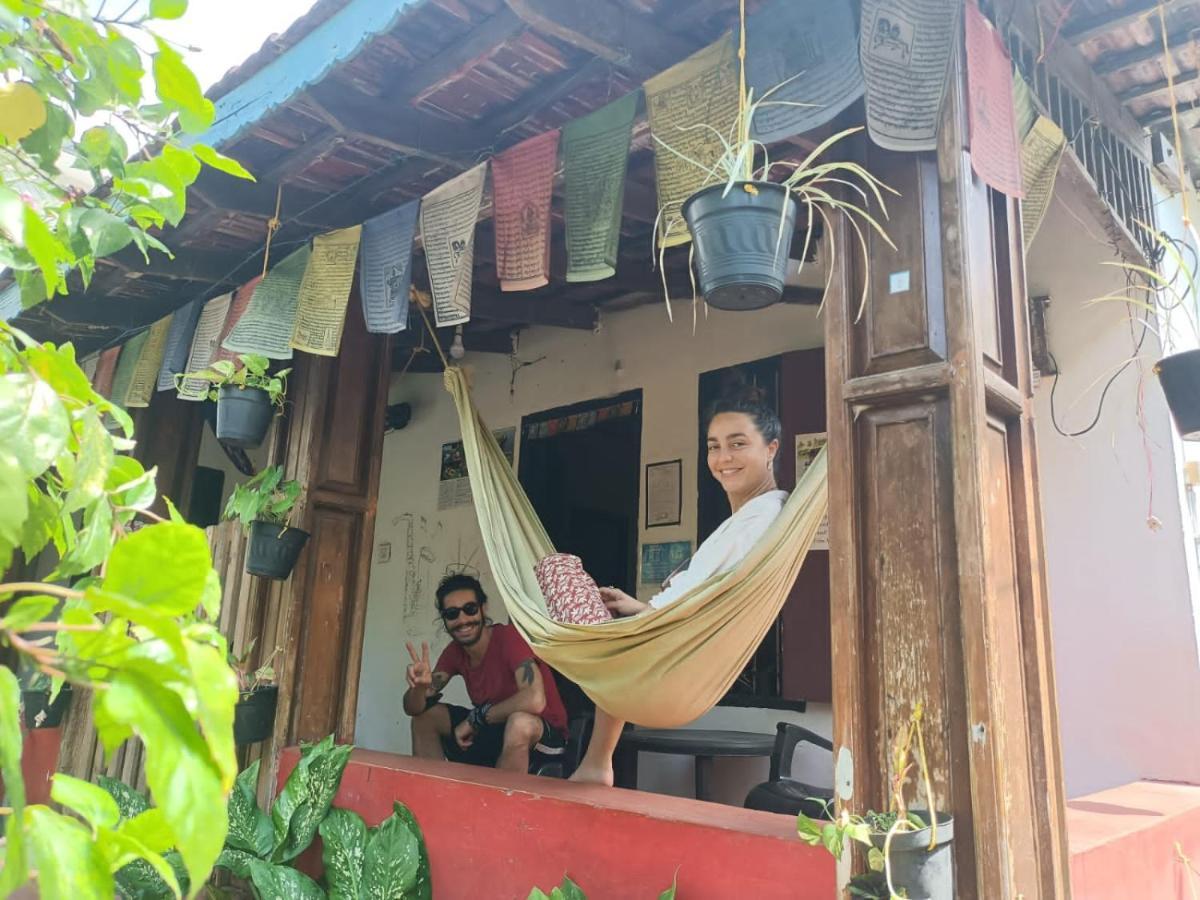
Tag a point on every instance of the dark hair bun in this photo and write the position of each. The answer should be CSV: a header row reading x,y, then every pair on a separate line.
x,y
750,400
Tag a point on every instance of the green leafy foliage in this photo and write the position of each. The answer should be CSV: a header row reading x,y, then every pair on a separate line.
x,y
263,498
384,863
69,194
132,633
569,890
253,372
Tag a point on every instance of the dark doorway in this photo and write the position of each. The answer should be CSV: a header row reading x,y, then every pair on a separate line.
x,y
580,467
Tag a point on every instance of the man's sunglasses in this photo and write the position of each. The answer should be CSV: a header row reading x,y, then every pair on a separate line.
x,y
450,613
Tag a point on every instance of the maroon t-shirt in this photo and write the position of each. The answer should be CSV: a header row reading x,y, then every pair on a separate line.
x,y
495,679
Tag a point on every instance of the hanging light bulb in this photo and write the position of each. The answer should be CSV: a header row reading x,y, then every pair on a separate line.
x,y
457,350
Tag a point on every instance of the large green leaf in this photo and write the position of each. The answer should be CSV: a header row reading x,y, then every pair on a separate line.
x,y
41,521
236,861
26,611
391,861
93,542
34,426
167,9
283,883
68,861
92,802
93,462
165,566
182,776
131,803
216,695
179,89
220,162
14,871
306,796
250,828
105,232
129,484
14,508
121,850
423,890
344,845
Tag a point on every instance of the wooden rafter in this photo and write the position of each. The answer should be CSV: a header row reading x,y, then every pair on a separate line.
x,y
1137,91
606,30
1084,28
1123,59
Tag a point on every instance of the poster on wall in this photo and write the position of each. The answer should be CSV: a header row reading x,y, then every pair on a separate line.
x,y
661,561
807,448
664,493
454,487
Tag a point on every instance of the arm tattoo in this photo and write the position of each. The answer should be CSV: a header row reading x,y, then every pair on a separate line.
x,y
439,680
527,672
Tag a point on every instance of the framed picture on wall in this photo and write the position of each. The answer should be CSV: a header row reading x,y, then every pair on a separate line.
x,y
664,493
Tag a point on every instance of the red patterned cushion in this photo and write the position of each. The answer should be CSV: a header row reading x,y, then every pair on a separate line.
x,y
571,594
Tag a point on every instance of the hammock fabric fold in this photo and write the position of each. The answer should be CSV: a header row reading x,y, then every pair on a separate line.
x,y
665,667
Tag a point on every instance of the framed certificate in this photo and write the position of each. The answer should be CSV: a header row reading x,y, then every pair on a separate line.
x,y
664,493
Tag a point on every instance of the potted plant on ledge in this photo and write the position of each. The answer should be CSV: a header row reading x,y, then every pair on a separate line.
x,y
258,695
247,397
909,851
43,706
264,505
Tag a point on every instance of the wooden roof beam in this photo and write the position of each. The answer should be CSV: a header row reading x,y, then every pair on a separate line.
x,y
1087,27
1162,115
1137,91
607,30
1123,59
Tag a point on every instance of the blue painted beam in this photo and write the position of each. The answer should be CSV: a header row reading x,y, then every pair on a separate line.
x,y
332,43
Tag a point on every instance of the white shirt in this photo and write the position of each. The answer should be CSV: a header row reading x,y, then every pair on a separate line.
x,y
725,547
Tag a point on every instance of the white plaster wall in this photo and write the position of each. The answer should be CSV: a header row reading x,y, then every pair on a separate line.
x,y
662,359
1123,626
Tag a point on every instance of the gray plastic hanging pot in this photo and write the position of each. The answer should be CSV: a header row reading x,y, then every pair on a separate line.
x,y
741,256
1179,375
921,873
273,549
243,416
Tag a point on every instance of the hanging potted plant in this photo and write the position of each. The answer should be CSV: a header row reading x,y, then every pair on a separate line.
x,y
264,505
43,706
909,850
247,397
1162,298
258,696
743,218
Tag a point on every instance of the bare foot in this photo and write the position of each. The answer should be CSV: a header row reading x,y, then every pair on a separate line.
x,y
586,774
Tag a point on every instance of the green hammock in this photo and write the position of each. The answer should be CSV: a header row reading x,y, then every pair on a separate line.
x,y
662,668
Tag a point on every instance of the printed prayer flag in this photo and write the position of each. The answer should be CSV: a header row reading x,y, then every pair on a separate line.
x,y
994,153
448,216
265,328
690,106
385,273
325,292
595,157
522,183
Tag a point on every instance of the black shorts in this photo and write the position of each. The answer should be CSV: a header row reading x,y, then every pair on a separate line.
x,y
489,742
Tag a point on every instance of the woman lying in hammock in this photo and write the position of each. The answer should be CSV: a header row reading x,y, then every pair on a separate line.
x,y
743,440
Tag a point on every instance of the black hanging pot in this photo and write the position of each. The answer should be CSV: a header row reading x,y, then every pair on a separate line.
x,y
741,254
917,871
273,549
254,715
243,416
37,702
1179,375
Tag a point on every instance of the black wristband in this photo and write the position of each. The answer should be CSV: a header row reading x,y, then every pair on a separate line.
x,y
477,718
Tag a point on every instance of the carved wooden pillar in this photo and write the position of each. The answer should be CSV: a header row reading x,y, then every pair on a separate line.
x,y
334,446
938,588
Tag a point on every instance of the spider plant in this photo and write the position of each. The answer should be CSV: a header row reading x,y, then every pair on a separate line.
x,y
819,185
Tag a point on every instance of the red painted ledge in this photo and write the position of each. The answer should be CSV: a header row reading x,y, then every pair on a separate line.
x,y
1123,840
497,835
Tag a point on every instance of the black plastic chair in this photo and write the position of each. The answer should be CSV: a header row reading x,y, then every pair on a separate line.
x,y
579,732
784,794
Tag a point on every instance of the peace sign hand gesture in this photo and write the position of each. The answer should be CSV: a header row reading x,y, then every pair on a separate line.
x,y
419,673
